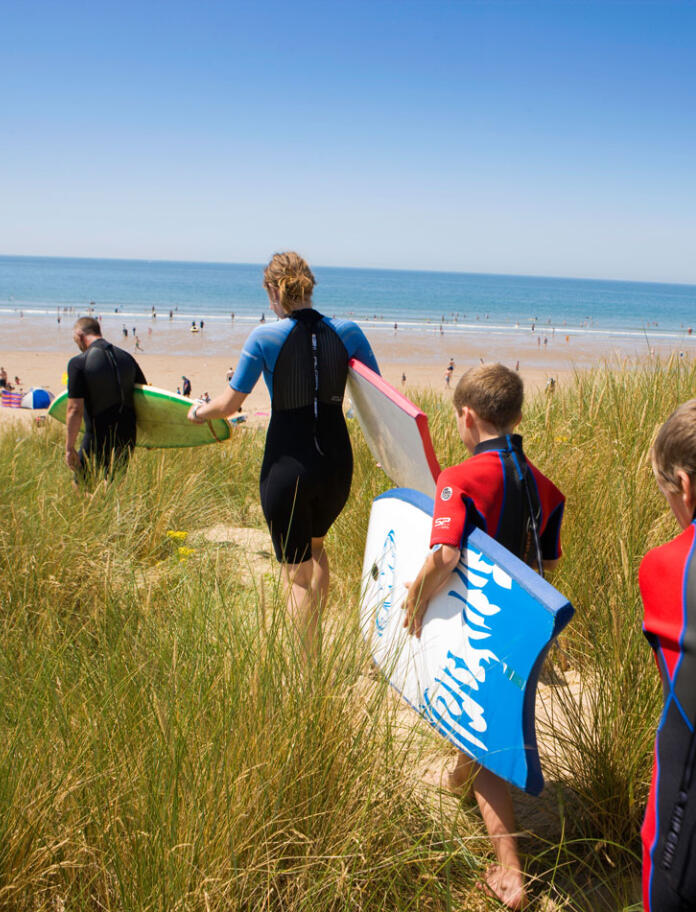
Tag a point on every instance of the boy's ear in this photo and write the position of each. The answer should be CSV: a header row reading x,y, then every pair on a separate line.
x,y
688,490
469,416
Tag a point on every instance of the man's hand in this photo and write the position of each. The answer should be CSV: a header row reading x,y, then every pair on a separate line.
x,y
72,460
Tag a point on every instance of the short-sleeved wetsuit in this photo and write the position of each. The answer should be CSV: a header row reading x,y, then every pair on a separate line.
x,y
667,579
308,462
487,491
105,376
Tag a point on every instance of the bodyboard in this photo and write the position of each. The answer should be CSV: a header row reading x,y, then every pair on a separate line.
x,y
473,673
160,419
395,429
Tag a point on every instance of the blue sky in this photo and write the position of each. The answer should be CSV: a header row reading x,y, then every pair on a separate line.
x,y
513,137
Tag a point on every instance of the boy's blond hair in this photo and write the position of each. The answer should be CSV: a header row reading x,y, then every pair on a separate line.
x,y
494,392
675,446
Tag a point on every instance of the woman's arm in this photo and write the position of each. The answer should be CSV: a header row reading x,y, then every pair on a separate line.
x,y
221,406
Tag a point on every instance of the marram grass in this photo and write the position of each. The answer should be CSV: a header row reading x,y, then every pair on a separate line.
x,y
162,746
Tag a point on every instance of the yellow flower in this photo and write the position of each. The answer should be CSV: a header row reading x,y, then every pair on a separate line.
x,y
177,536
185,552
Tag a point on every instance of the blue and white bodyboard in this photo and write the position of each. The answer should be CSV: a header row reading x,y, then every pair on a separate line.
x,y
474,671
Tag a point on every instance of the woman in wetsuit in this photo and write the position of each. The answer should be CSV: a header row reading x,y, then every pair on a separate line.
x,y
308,462
668,587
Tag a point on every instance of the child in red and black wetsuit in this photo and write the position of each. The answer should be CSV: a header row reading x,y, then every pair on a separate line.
x,y
503,494
668,587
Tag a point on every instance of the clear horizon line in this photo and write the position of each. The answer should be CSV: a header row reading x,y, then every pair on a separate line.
x,y
511,275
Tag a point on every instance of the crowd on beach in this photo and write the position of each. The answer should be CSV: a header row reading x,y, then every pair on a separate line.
x,y
305,480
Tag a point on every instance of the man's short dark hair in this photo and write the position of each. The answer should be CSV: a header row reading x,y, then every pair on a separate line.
x,y
89,326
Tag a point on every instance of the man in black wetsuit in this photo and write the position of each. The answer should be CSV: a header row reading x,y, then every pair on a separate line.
x,y
101,380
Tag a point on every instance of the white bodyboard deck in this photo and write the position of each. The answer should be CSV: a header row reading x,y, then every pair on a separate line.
x,y
395,429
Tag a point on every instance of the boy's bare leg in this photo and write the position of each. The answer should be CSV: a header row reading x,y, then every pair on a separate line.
x,y
504,879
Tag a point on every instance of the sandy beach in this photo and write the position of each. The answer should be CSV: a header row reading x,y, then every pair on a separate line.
x,y
37,349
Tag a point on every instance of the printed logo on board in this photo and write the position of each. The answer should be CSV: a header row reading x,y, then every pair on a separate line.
x,y
442,522
446,493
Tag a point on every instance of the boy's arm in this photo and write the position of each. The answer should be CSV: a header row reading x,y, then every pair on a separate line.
x,y
435,571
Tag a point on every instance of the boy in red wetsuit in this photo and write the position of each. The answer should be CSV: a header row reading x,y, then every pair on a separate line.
x,y
503,494
668,586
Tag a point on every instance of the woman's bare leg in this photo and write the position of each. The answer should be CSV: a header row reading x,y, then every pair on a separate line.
x,y
307,586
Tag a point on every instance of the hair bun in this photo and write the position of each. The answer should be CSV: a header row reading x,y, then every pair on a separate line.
x,y
290,274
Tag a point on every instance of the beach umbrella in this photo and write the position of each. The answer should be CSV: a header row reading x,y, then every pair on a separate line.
x,y
37,399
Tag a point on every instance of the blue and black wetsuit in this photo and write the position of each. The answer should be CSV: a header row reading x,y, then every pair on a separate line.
x,y
308,462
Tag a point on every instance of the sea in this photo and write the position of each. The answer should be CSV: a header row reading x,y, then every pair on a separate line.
x,y
414,300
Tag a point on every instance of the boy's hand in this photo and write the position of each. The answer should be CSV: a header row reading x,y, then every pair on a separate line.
x,y
415,611
434,573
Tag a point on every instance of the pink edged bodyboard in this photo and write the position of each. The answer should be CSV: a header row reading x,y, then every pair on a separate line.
x,y
395,429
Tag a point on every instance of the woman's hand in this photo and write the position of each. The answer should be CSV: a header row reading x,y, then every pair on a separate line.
x,y
193,413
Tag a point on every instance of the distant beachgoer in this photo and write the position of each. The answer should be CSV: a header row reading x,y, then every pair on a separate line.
x,y
101,380
517,366
138,346
546,341
308,462
232,316
178,390
149,330
125,332
134,330
206,397
185,386
201,324
538,341
667,578
263,318
171,314
448,378
403,379
17,382
3,378
396,326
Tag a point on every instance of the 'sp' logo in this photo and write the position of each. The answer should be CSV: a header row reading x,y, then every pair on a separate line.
x,y
446,493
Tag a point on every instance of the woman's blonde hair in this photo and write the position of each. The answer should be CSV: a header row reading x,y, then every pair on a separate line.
x,y
675,446
293,278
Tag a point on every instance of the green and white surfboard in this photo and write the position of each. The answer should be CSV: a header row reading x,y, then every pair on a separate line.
x,y
161,420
